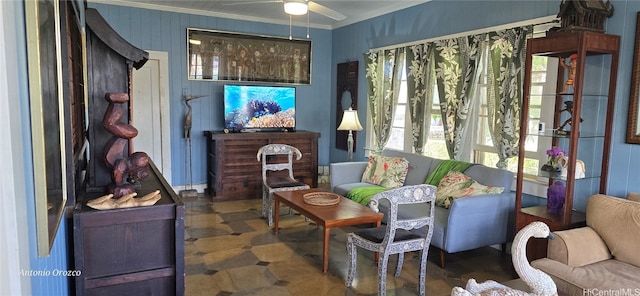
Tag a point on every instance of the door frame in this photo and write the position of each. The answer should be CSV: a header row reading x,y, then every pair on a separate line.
x,y
165,116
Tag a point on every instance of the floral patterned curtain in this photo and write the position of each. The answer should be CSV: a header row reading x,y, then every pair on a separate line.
x,y
383,78
505,72
456,64
420,82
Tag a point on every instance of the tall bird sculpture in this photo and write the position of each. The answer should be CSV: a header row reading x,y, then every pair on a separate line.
x,y
188,118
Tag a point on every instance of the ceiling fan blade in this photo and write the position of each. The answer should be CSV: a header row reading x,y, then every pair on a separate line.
x,y
326,11
252,2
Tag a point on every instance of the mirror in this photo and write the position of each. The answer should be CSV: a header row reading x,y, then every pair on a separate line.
x,y
47,118
633,128
346,100
346,96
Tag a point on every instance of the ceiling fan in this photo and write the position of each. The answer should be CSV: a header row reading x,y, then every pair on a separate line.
x,y
300,7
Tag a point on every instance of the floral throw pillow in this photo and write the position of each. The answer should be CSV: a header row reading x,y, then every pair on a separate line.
x,y
456,185
385,171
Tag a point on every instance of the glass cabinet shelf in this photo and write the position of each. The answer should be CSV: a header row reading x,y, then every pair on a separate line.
x,y
585,96
550,133
557,176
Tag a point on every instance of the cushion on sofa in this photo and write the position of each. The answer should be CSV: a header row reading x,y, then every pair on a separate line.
x,y
456,185
608,275
419,165
614,219
633,196
592,247
446,166
386,171
491,176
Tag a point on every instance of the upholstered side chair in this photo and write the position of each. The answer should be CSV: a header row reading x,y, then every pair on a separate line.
x,y
272,157
398,235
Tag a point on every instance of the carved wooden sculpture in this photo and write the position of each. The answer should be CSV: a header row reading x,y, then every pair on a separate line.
x,y
107,202
126,169
590,15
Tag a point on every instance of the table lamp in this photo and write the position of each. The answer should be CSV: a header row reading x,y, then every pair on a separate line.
x,y
350,123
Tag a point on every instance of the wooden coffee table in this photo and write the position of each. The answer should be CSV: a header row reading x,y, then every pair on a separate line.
x,y
345,213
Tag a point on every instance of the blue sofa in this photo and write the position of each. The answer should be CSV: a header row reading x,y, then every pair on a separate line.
x,y
469,223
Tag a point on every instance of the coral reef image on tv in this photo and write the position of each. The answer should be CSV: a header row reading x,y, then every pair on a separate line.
x,y
259,107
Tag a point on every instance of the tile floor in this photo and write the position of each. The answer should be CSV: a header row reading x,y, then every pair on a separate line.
x,y
230,250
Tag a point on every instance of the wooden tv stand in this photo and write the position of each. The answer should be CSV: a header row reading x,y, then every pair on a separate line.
x,y
234,172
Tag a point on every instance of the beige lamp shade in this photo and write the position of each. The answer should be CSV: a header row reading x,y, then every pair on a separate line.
x,y
350,121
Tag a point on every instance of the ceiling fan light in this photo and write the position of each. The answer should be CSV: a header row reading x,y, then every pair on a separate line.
x,y
295,7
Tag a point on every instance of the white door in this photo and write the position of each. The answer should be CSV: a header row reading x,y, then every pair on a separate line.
x,y
151,111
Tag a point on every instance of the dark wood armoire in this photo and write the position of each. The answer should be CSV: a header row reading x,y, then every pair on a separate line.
x,y
124,251
110,62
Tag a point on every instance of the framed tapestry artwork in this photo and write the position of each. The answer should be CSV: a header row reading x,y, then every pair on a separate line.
x,y
227,56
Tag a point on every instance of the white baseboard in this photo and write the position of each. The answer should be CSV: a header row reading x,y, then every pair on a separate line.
x,y
200,188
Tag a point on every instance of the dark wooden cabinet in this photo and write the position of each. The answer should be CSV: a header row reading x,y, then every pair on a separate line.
x,y
592,96
111,60
234,172
131,251
537,247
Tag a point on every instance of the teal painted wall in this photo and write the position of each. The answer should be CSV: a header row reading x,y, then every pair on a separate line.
x,y
59,260
625,158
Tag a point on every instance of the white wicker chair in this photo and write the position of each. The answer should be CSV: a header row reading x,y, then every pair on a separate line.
x,y
273,183
398,236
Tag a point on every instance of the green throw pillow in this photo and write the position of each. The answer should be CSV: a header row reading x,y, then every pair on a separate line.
x,y
385,171
456,185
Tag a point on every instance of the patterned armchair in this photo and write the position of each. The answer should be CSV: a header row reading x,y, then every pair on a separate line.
x,y
277,182
398,235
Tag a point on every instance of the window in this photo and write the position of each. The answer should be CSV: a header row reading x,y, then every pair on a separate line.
x,y
534,146
401,133
482,151
401,121
196,66
435,146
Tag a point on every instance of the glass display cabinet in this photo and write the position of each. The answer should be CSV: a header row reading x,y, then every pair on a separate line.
x,y
580,131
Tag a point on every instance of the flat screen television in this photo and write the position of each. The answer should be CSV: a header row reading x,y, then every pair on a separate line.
x,y
259,108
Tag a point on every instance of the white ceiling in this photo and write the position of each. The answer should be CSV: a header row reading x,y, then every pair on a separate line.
x,y
272,11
